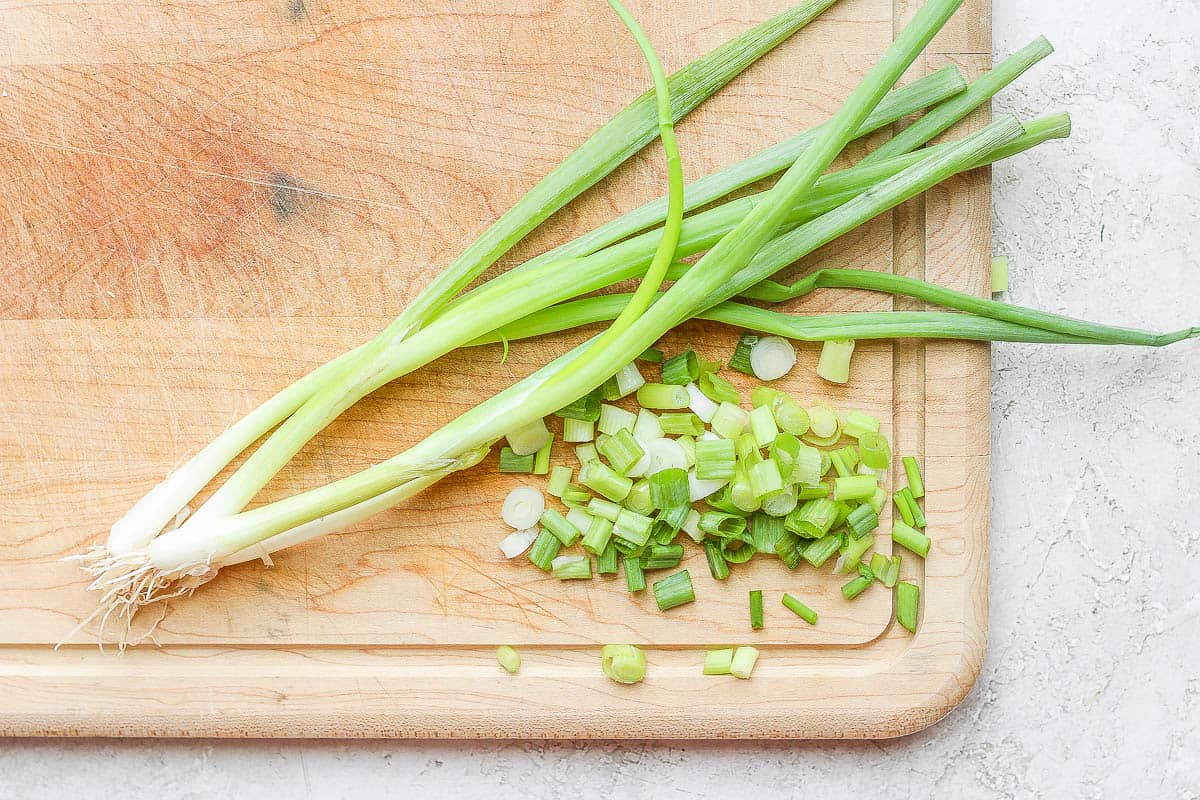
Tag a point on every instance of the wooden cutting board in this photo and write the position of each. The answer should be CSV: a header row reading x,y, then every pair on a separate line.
x,y
203,201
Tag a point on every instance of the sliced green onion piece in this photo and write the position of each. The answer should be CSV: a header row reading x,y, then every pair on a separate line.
x,y
609,390
530,439
999,274
662,556
856,423
716,560
741,354
716,460
878,500
814,519
639,498
688,445
741,493
862,520
660,396
784,450
571,568
722,525
586,408
913,506
681,370
557,524
819,551
648,427
662,532
633,527
598,534
772,357
614,418
854,487
813,492
838,459
600,478
737,551
635,577
853,553
669,488
791,416
510,462
826,460
664,454
912,470
705,489
756,609
856,587
788,548
729,421
545,550
578,517
605,509
892,573
518,542
651,356
559,478
879,565
522,507
622,451
799,609
578,430
718,662
834,363
765,479
606,562
744,659
763,426
781,503
911,538
700,403
623,663
575,495
843,511
874,450
908,604
681,424
717,389
691,526
585,453
509,658
674,590
903,507
765,531
823,423
628,380
541,459
676,517
747,449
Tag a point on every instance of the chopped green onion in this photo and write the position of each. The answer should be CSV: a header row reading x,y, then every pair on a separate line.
x,y
651,356
783,451
765,396
722,525
541,459
598,534
575,495
834,363
765,479
781,503
912,470
688,445
606,562
681,370
622,451
522,507
700,404
678,424
639,498
799,609
853,552
571,568
600,478
633,527
557,524
812,492
674,590
585,453
669,488
510,462
814,519
741,354
843,511
904,508
614,418
910,538
854,487
763,426
716,459
691,526
999,274
609,390
664,454
586,408
838,459
824,425
856,587
791,416
744,659
518,542
528,440
675,517
818,551
647,428
509,658
717,389
718,498
627,381
855,423
908,604
578,517
772,357
662,556
545,550
662,532
605,509
874,450
578,430
756,609
716,560
623,663
892,573
878,500
879,565
559,478
746,448
635,577
914,508
765,531
862,520
788,548
718,662
729,421
660,396
737,551
741,493
826,460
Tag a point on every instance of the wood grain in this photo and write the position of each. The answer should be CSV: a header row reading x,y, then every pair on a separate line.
x,y
201,202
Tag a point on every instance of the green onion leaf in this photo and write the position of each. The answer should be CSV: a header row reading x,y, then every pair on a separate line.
x,y
510,462
635,577
586,408
717,389
818,551
722,525
741,354
559,478
908,604
545,550
799,609
669,489
756,609
598,534
606,562
716,561
557,524
682,369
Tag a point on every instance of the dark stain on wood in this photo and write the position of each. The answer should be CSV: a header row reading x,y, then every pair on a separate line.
x,y
286,195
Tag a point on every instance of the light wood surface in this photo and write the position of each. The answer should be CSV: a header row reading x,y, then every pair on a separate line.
x,y
202,202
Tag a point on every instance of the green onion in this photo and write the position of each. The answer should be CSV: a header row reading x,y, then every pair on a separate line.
x,y
784,451
740,360
578,430
647,428
660,396
862,520
763,426
633,527
605,509
806,466
799,609
718,662
622,451
788,548
813,492
737,551
681,424
874,450
772,358
826,461
856,423
853,552
741,493
639,498
669,488
598,534
509,658
911,538
908,603
781,503
586,408
843,511
691,526
722,525
879,565
575,496
916,483
791,416
681,370
729,421
854,487
627,381
824,427
834,363
600,478
529,439
721,500
904,508
635,577
765,531
623,663
818,551
675,517
856,587
716,560
838,459
717,389
511,462
814,519
716,459
662,532
545,550
914,509
892,573
615,418
765,480
571,568
744,659
557,524
674,590
688,445
559,478
662,556
746,447
878,500
651,356
606,562
541,459
756,609
999,274
586,452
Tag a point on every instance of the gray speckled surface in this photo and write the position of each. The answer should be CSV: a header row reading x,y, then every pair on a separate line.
x,y
1091,686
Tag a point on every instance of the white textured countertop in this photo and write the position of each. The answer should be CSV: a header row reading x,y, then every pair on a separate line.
x,y
1092,682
